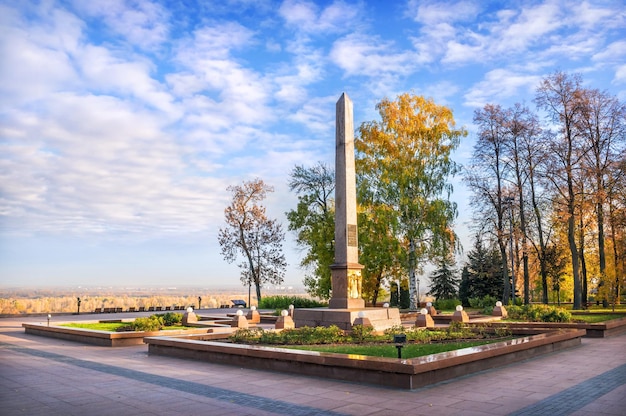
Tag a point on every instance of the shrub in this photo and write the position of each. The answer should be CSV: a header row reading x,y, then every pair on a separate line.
x,y
283,302
538,313
485,304
395,330
446,304
457,329
297,336
172,318
245,335
151,323
361,333
503,331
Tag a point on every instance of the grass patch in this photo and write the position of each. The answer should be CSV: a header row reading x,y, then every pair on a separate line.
x,y
360,337
389,350
594,318
104,326
114,326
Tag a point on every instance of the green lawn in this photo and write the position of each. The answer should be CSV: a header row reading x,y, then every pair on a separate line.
x,y
596,317
111,326
389,350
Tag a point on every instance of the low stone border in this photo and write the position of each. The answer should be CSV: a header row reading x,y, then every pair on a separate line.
x,y
406,374
597,330
105,338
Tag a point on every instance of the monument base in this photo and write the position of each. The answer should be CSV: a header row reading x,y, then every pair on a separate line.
x,y
381,318
339,303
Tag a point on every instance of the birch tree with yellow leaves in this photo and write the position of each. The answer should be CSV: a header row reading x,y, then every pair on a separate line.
x,y
404,163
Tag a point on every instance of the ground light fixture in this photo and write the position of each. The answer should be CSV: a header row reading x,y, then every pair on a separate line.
x,y
49,316
399,340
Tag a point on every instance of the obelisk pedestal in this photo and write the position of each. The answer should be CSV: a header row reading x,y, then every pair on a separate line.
x,y
346,302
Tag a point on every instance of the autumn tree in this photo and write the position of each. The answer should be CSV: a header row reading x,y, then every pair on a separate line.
x,y
534,154
603,126
405,160
488,176
380,251
314,224
522,129
560,96
249,233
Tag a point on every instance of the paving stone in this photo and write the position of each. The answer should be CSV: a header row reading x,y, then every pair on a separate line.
x,y
43,376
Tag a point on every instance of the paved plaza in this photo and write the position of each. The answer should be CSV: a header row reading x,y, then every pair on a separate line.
x,y
45,376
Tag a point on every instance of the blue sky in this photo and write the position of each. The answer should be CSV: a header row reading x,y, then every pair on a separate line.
x,y
123,122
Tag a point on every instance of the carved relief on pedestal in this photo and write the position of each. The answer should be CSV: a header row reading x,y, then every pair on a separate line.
x,y
354,284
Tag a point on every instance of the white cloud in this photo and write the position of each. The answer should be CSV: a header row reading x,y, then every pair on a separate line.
x,y
532,24
620,75
98,164
36,61
432,12
366,55
500,85
317,114
143,23
210,69
106,73
589,16
614,52
308,17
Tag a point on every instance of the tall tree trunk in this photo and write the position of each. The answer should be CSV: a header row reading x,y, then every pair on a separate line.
x,y
522,218
616,255
541,252
600,221
506,281
583,263
571,238
412,286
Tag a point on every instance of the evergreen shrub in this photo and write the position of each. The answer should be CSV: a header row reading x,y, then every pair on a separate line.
x,y
485,304
283,302
446,304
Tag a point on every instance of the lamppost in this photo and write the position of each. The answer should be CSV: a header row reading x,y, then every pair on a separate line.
x,y
249,289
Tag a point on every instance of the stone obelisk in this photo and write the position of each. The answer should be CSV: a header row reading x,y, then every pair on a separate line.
x,y
346,271
346,307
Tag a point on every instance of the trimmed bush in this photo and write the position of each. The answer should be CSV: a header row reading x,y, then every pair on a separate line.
x,y
538,313
154,322
172,318
151,323
283,302
362,333
297,336
446,304
485,304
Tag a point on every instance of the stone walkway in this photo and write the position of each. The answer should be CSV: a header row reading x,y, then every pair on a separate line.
x,y
45,376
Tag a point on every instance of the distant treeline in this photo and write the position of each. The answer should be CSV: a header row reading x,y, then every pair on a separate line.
x,y
69,303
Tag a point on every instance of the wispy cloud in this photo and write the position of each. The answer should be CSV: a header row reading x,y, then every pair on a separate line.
x,y
128,119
